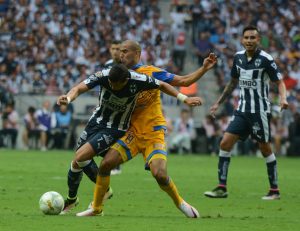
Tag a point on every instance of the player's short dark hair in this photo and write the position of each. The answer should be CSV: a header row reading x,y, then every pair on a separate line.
x,y
116,42
118,73
250,27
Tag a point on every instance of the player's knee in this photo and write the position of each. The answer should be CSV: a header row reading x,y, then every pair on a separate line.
x,y
160,176
225,145
74,165
106,166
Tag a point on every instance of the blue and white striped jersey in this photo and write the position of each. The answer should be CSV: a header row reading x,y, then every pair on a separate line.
x,y
254,76
115,107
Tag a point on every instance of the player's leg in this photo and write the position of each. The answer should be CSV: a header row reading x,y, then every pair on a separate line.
x,y
109,162
237,129
261,131
122,151
83,158
271,170
155,156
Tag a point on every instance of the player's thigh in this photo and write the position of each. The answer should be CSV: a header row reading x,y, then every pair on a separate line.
x,y
155,147
85,152
96,142
239,125
260,124
127,146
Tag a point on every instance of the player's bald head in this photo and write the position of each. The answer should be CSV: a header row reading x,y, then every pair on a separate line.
x,y
132,45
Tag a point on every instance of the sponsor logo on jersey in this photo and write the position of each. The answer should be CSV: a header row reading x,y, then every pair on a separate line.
x,y
247,83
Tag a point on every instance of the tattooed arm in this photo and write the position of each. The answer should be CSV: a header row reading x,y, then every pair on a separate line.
x,y
227,92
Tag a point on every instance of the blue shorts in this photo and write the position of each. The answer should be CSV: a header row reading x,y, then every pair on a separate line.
x,y
257,125
101,138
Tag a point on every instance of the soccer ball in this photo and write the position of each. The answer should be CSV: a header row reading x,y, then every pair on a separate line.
x,y
51,203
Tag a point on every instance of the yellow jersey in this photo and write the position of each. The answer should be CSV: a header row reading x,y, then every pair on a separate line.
x,y
147,115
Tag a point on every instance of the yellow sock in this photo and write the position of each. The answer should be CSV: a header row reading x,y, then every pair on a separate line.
x,y
101,187
172,192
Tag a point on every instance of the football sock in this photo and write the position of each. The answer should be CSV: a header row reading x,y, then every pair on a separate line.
x,y
74,178
223,165
172,191
272,171
91,170
101,187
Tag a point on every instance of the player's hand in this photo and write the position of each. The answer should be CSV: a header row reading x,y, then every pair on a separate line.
x,y
213,109
193,101
210,61
62,100
284,104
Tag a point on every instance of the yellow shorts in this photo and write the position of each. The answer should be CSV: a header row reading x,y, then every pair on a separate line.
x,y
151,145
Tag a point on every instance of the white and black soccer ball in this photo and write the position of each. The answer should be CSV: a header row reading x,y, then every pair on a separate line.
x,y
51,203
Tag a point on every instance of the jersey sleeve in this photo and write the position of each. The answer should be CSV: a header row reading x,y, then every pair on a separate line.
x,y
234,69
96,78
162,75
273,71
144,82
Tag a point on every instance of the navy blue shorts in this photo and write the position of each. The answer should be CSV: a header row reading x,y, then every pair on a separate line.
x,y
257,125
101,138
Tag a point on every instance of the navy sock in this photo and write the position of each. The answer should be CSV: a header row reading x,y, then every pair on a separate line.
x,y
223,169
74,179
272,174
91,170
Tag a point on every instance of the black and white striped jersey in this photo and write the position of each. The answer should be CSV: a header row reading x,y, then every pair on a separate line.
x,y
115,107
254,76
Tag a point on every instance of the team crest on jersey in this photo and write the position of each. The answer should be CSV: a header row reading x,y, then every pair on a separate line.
x,y
257,62
132,88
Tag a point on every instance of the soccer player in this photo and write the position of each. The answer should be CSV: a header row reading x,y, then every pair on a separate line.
x,y
114,51
146,134
117,98
252,70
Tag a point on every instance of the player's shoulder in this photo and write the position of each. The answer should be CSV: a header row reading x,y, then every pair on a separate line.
x,y
266,55
109,63
148,68
138,76
238,53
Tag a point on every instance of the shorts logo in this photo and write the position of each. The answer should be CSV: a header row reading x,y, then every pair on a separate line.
x,y
256,128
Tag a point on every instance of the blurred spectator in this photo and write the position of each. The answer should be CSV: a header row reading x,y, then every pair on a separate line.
x,y
62,127
213,133
10,119
183,133
179,46
47,120
203,47
32,131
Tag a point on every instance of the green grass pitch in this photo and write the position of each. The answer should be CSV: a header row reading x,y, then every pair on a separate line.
x,y
138,203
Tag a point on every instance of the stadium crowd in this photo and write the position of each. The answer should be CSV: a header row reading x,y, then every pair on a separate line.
x,y
47,46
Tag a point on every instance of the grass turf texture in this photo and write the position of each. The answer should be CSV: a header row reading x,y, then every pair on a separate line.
x,y
139,204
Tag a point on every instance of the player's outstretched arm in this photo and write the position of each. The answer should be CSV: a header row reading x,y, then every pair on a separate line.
x,y
227,92
187,80
72,94
168,89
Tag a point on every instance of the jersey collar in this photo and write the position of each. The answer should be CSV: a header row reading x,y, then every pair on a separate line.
x,y
136,66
